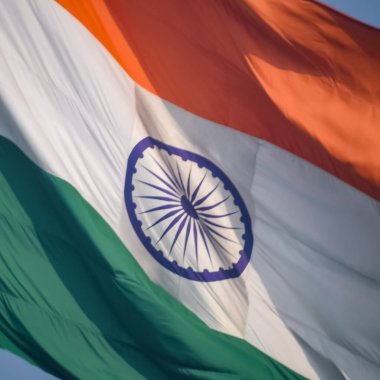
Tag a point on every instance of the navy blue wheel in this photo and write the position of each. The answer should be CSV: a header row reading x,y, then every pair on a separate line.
x,y
187,213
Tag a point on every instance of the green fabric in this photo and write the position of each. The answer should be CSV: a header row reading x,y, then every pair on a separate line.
x,y
74,301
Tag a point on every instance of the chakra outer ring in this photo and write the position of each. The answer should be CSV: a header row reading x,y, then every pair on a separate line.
x,y
236,269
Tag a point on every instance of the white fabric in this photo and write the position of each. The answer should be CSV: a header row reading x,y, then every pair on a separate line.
x,y
308,298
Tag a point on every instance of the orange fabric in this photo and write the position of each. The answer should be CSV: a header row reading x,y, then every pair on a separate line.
x,y
291,72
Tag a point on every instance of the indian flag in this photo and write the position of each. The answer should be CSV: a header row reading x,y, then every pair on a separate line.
x,y
189,189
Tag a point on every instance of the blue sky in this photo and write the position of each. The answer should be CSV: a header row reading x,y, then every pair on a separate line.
x,y
13,368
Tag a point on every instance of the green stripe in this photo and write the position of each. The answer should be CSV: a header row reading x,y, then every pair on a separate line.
x,y
74,301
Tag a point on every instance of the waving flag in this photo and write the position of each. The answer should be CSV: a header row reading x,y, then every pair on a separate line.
x,y
189,189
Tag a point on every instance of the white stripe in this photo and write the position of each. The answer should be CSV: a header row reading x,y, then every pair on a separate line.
x,y
309,296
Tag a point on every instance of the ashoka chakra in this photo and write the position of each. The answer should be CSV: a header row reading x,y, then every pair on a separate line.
x,y
187,213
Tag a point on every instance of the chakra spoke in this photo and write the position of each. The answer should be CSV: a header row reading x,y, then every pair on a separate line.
x,y
180,178
195,193
170,226
166,216
212,238
207,208
200,201
158,188
220,235
175,188
204,215
195,239
172,171
204,241
188,183
180,228
188,229
160,179
221,226
164,207
214,241
158,198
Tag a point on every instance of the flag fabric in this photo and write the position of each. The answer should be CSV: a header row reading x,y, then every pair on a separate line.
x,y
189,189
